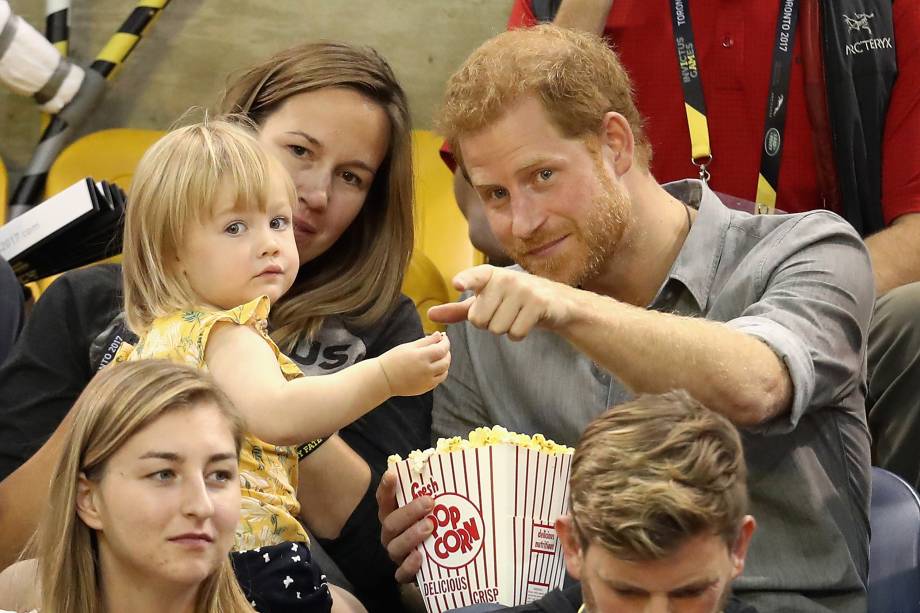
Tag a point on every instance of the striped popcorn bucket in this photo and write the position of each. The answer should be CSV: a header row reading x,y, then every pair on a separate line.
x,y
494,513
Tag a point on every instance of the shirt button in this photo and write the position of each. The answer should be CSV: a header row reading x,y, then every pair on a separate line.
x,y
728,42
599,373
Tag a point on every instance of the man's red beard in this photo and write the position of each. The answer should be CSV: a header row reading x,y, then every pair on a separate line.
x,y
590,244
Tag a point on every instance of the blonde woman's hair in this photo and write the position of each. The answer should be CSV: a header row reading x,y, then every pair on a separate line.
x,y
119,402
575,75
175,186
650,474
360,277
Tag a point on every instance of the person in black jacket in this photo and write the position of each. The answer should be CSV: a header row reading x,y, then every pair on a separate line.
x,y
11,309
338,120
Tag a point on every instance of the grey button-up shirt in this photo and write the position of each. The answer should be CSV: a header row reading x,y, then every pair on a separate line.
x,y
800,283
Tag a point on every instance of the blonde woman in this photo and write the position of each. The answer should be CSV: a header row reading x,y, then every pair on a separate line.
x,y
142,509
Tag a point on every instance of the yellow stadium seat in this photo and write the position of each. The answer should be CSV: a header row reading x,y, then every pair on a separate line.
x,y
441,231
3,200
107,155
426,287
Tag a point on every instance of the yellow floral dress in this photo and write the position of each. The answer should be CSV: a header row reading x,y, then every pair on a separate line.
x,y
268,473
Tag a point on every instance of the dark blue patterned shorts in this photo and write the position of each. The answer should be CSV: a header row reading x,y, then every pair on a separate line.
x,y
282,578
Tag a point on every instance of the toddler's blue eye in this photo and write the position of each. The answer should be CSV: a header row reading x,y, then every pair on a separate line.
x,y
235,228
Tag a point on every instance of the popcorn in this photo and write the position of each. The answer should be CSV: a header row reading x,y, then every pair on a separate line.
x,y
482,437
496,497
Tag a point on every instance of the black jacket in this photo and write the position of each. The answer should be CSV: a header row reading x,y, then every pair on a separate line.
x,y
860,68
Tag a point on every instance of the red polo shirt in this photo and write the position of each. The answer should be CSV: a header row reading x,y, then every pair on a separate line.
x,y
734,41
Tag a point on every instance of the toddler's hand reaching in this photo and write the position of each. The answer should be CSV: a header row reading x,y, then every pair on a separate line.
x,y
417,367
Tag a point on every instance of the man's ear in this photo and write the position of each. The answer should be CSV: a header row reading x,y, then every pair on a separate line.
x,y
87,505
740,548
571,546
617,141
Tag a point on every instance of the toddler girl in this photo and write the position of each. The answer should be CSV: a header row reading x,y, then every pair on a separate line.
x,y
208,247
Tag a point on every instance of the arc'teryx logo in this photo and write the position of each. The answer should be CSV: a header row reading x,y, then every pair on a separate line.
x,y
859,21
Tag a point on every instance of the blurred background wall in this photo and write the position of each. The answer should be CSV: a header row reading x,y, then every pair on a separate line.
x,y
187,54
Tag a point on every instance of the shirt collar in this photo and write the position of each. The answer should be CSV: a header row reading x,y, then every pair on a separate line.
x,y
698,260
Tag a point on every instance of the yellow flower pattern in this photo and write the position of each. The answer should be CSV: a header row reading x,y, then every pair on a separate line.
x,y
268,473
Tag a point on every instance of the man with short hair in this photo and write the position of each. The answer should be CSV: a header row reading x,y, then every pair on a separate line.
x,y
658,518
635,287
658,513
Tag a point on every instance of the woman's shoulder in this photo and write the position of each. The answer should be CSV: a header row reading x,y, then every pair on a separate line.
x,y
19,587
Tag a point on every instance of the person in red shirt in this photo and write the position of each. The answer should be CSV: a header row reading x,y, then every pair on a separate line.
x,y
734,44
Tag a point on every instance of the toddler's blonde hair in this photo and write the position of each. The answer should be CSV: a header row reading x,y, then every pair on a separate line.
x,y
176,185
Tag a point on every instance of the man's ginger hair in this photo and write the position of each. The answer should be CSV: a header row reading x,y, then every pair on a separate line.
x,y
652,473
575,75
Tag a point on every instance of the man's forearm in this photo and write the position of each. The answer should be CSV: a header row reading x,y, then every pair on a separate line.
x,y
585,15
333,480
895,253
652,352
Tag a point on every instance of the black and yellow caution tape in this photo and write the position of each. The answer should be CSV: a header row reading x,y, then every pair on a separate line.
x,y
30,188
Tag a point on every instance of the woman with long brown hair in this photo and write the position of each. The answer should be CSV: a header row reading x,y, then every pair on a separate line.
x,y
338,120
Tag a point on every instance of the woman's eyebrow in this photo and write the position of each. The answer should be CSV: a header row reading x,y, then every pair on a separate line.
x,y
312,140
176,457
316,143
161,455
220,457
362,165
